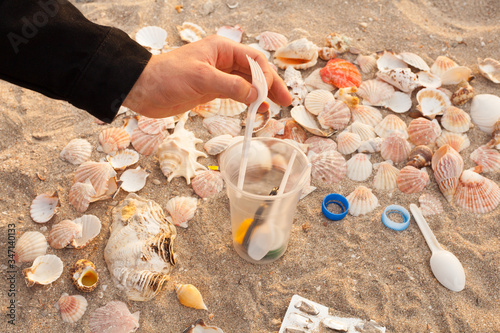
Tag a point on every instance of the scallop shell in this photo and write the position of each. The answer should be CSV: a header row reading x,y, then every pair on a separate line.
x,y
147,144
76,151
218,144
476,193
367,64
490,68
375,92
340,43
317,99
372,145
81,195
200,327
348,142
29,246
388,60
340,73
335,115
45,270
234,33
99,174
432,102
272,128
359,167
71,308
399,102
329,167
455,120
314,82
457,141
130,123
485,111
114,317
486,157
456,75
152,37
153,125
419,157
423,131
84,275
63,233
366,115
429,80
44,207
441,65
386,176
318,144
391,124
308,121
361,201
219,125
326,53
294,131
207,183
271,41
208,109
90,226
190,32
113,139
464,93
401,78
430,205
365,132
190,296
395,148
181,210
260,121
133,180
414,60
447,165
299,54
229,107
412,180
123,159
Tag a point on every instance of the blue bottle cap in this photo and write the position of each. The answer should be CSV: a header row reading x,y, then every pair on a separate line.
x,y
396,209
335,199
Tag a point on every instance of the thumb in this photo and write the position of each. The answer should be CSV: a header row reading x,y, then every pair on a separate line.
x,y
232,86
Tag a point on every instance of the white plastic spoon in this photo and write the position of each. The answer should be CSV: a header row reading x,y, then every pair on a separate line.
x,y
444,265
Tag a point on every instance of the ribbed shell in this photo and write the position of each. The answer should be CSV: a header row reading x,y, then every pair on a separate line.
x,y
389,125
375,92
423,131
340,73
430,205
366,114
190,32
271,41
45,270
447,165
147,144
76,151
414,60
207,183
365,131
114,317
218,144
306,120
123,159
230,107
190,296
412,180
361,201
317,99
348,142
71,308
329,167
359,167
456,75
81,195
463,94
44,207
99,174
113,139
299,54
490,69
395,148
432,102
441,65
152,37
457,141
90,226
367,64
318,144
63,233
476,193
386,176
455,120
208,109
152,125
402,78
219,125
336,115
273,127
181,210
487,157
29,246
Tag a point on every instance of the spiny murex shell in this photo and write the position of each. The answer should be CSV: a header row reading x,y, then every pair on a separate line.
x,y
139,253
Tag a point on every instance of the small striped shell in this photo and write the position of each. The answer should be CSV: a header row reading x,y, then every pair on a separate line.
x,y
219,125
395,148
366,114
336,115
402,78
218,144
326,53
152,125
430,205
63,233
45,270
76,151
455,120
114,139
207,183
414,60
367,64
71,308
318,144
490,69
375,92
348,142
341,74
99,174
441,65
420,156
114,315
487,157
463,94
147,144
273,127
423,131
208,109
359,167
447,165
386,176
90,226
181,210
271,41
476,193
123,159
432,102
458,141
29,246
44,207
365,132
81,195
317,99
361,201
190,32
190,296
412,180
230,107
391,124
329,167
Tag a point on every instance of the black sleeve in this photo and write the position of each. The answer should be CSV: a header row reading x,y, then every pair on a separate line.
x,y
50,47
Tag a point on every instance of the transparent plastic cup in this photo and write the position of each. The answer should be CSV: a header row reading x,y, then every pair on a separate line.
x,y
261,222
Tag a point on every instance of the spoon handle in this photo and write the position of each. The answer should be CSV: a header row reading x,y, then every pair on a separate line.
x,y
424,228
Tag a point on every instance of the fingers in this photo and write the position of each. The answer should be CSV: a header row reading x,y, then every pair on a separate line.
x,y
229,86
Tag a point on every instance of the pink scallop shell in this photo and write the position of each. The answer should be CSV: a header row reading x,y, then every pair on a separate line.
x,y
329,166
412,180
476,193
207,183
423,131
395,148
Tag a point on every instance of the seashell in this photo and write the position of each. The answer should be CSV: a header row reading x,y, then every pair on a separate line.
x,y
153,125
219,125
367,64
389,125
375,92
123,159
307,121
260,121
63,233
90,226
99,174
365,132
71,308
445,91
271,41
130,123
233,33
335,115
412,180
299,54
139,252
430,205
419,157
190,32
294,131
401,78
485,111
441,65
359,167
386,176
45,270
476,193
432,102
326,53
429,80
372,145
423,131
84,275
455,120
114,139
272,128
414,60
456,75
207,183
152,37
317,144
218,144
495,136
274,109
147,144
190,296
340,43
133,180
457,141
316,100
464,93
181,210
230,107
348,142
29,246
346,95
399,102
81,195
361,201
264,52
200,327
76,151
314,82
388,60
486,157
340,73
208,109
447,165
366,114
44,207
293,79
395,148
114,317
490,69
329,167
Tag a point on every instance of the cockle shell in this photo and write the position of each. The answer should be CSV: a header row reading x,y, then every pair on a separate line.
x,y
366,114
490,69
190,32
456,75
76,151
422,131
147,144
432,102
386,176
340,43
420,156
335,115
181,210
388,60
326,53
152,37
219,125
476,193
90,226
464,93
271,41
133,180
113,139
45,270
361,201
455,120
348,142
441,65
430,205
234,33
365,132
318,144
400,102
154,125
401,78
84,275
447,165
414,60
329,167
190,296
486,157
375,92
29,246
458,141
200,327
485,111
114,317
299,54
391,124
44,207
412,180
308,121
317,99
71,308
207,183
63,233
208,109
218,144
293,79
139,252
123,159
340,73
314,81
230,107
367,64
395,148
359,167
273,127
81,195
99,174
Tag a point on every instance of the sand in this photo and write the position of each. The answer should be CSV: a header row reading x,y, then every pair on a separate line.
x,y
356,266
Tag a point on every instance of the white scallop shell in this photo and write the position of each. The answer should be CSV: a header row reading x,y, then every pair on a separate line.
x,y
81,195
76,151
45,270
367,64
455,120
485,111
375,92
219,125
207,183
456,75
359,167
458,141
114,315
99,174
314,82
190,32
391,124
441,65
271,41
29,246
490,68
133,180
91,226
63,233
233,33
317,99
299,54
414,60
335,115
430,205
365,132
361,201
230,107
429,80
399,102
181,210
388,60
71,308
152,36
486,157
402,78
44,207
432,102
308,121
366,114
386,176
218,144
329,166
123,159
348,142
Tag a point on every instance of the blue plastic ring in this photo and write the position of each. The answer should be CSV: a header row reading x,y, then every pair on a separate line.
x,y
336,199
396,209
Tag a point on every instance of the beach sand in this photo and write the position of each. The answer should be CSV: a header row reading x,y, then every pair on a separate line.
x,y
357,266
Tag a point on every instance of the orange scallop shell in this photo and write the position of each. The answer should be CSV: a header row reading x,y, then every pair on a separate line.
x,y
447,165
340,73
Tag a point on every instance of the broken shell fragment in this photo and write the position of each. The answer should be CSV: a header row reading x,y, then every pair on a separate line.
x,y
84,275
181,210
432,102
123,159
76,151
90,226
45,270
114,317
63,233
234,33
490,68
430,205
44,207
308,121
29,246
133,180
190,296
338,42
361,201
71,308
